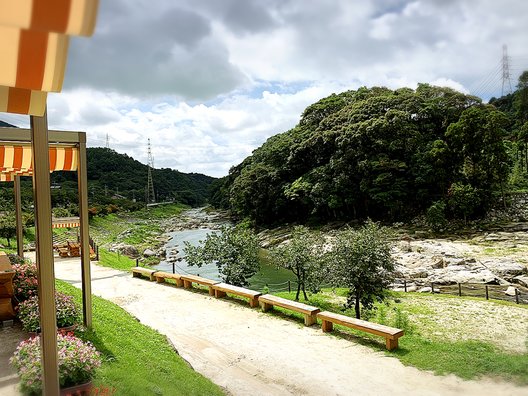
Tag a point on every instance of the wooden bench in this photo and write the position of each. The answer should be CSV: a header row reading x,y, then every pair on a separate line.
x,y
267,301
161,276
140,271
221,289
391,334
188,280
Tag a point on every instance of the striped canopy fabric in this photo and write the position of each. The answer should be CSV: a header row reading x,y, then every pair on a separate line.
x,y
16,160
65,222
34,38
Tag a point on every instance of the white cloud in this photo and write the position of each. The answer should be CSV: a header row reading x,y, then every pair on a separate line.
x,y
208,81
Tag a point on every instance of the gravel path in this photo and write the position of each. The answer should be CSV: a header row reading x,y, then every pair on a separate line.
x,y
251,353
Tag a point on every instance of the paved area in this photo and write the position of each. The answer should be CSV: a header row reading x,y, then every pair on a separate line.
x,y
10,336
251,353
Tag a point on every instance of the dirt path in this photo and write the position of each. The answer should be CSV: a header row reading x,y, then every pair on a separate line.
x,y
251,353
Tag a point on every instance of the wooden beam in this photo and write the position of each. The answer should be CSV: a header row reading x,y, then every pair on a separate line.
x,y
18,215
44,254
24,135
82,184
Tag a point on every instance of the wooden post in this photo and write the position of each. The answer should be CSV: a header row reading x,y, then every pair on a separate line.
x,y
173,268
517,296
84,236
289,287
405,285
18,215
97,253
432,287
137,262
487,293
44,254
459,290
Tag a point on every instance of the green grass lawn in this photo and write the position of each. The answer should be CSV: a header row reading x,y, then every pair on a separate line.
x,y
468,359
137,359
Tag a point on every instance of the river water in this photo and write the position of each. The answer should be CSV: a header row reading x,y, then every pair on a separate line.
x,y
275,279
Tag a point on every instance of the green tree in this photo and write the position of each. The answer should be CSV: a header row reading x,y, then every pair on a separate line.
x,y
302,254
463,199
360,260
233,249
8,228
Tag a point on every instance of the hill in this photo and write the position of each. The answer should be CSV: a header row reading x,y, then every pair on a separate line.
x,y
379,153
111,174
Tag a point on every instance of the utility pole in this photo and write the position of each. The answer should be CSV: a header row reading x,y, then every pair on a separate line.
x,y
506,77
151,197
107,141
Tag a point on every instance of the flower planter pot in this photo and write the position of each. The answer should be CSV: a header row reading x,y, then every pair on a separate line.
x,y
77,390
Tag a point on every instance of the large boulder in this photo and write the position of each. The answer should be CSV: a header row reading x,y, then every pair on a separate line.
x,y
521,280
127,250
149,253
506,268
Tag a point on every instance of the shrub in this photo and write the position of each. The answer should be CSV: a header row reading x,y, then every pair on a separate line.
x,y
435,216
25,280
67,312
78,362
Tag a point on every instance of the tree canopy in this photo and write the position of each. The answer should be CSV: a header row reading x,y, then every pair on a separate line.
x,y
373,152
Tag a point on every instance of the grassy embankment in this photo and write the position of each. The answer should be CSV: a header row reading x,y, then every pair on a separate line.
x,y
436,339
139,229
137,359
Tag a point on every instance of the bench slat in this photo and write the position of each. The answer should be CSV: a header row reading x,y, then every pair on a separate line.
x,y
285,303
136,271
363,325
199,279
161,276
240,291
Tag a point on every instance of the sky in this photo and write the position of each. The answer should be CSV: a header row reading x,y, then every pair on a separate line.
x,y
208,81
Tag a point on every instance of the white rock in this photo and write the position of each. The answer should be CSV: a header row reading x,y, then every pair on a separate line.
x,y
426,289
510,291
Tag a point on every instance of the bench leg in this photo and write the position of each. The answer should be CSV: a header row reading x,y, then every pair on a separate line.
x,y
220,293
253,302
187,284
152,277
179,282
211,291
309,319
159,279
327,326
265,306
391,344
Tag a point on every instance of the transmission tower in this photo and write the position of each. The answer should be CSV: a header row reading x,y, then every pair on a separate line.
x,y
107,141
151,197
506,77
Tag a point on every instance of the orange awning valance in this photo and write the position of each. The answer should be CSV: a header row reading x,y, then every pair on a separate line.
x,y
16,160
66,222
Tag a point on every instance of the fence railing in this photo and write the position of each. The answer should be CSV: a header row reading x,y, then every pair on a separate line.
x,y
489,292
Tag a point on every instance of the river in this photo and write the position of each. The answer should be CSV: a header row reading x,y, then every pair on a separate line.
x,y
275,279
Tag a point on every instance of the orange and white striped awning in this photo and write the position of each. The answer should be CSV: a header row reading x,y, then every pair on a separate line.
x,y
16,160
34,37
65,222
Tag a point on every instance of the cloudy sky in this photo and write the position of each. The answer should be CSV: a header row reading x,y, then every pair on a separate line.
x,y
208,81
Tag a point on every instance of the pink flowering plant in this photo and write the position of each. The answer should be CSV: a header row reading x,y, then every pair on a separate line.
x,y
25,280
68,313
78,362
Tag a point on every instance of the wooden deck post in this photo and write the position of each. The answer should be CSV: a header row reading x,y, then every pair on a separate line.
x,y
327,326
82,185
18,215
44,254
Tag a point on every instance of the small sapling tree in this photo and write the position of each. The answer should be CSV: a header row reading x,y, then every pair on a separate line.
x,y
360,260
8,228
233,249
302,255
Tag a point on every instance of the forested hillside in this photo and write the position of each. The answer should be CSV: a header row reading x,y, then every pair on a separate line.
x,y
115,181
111,174
384,154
